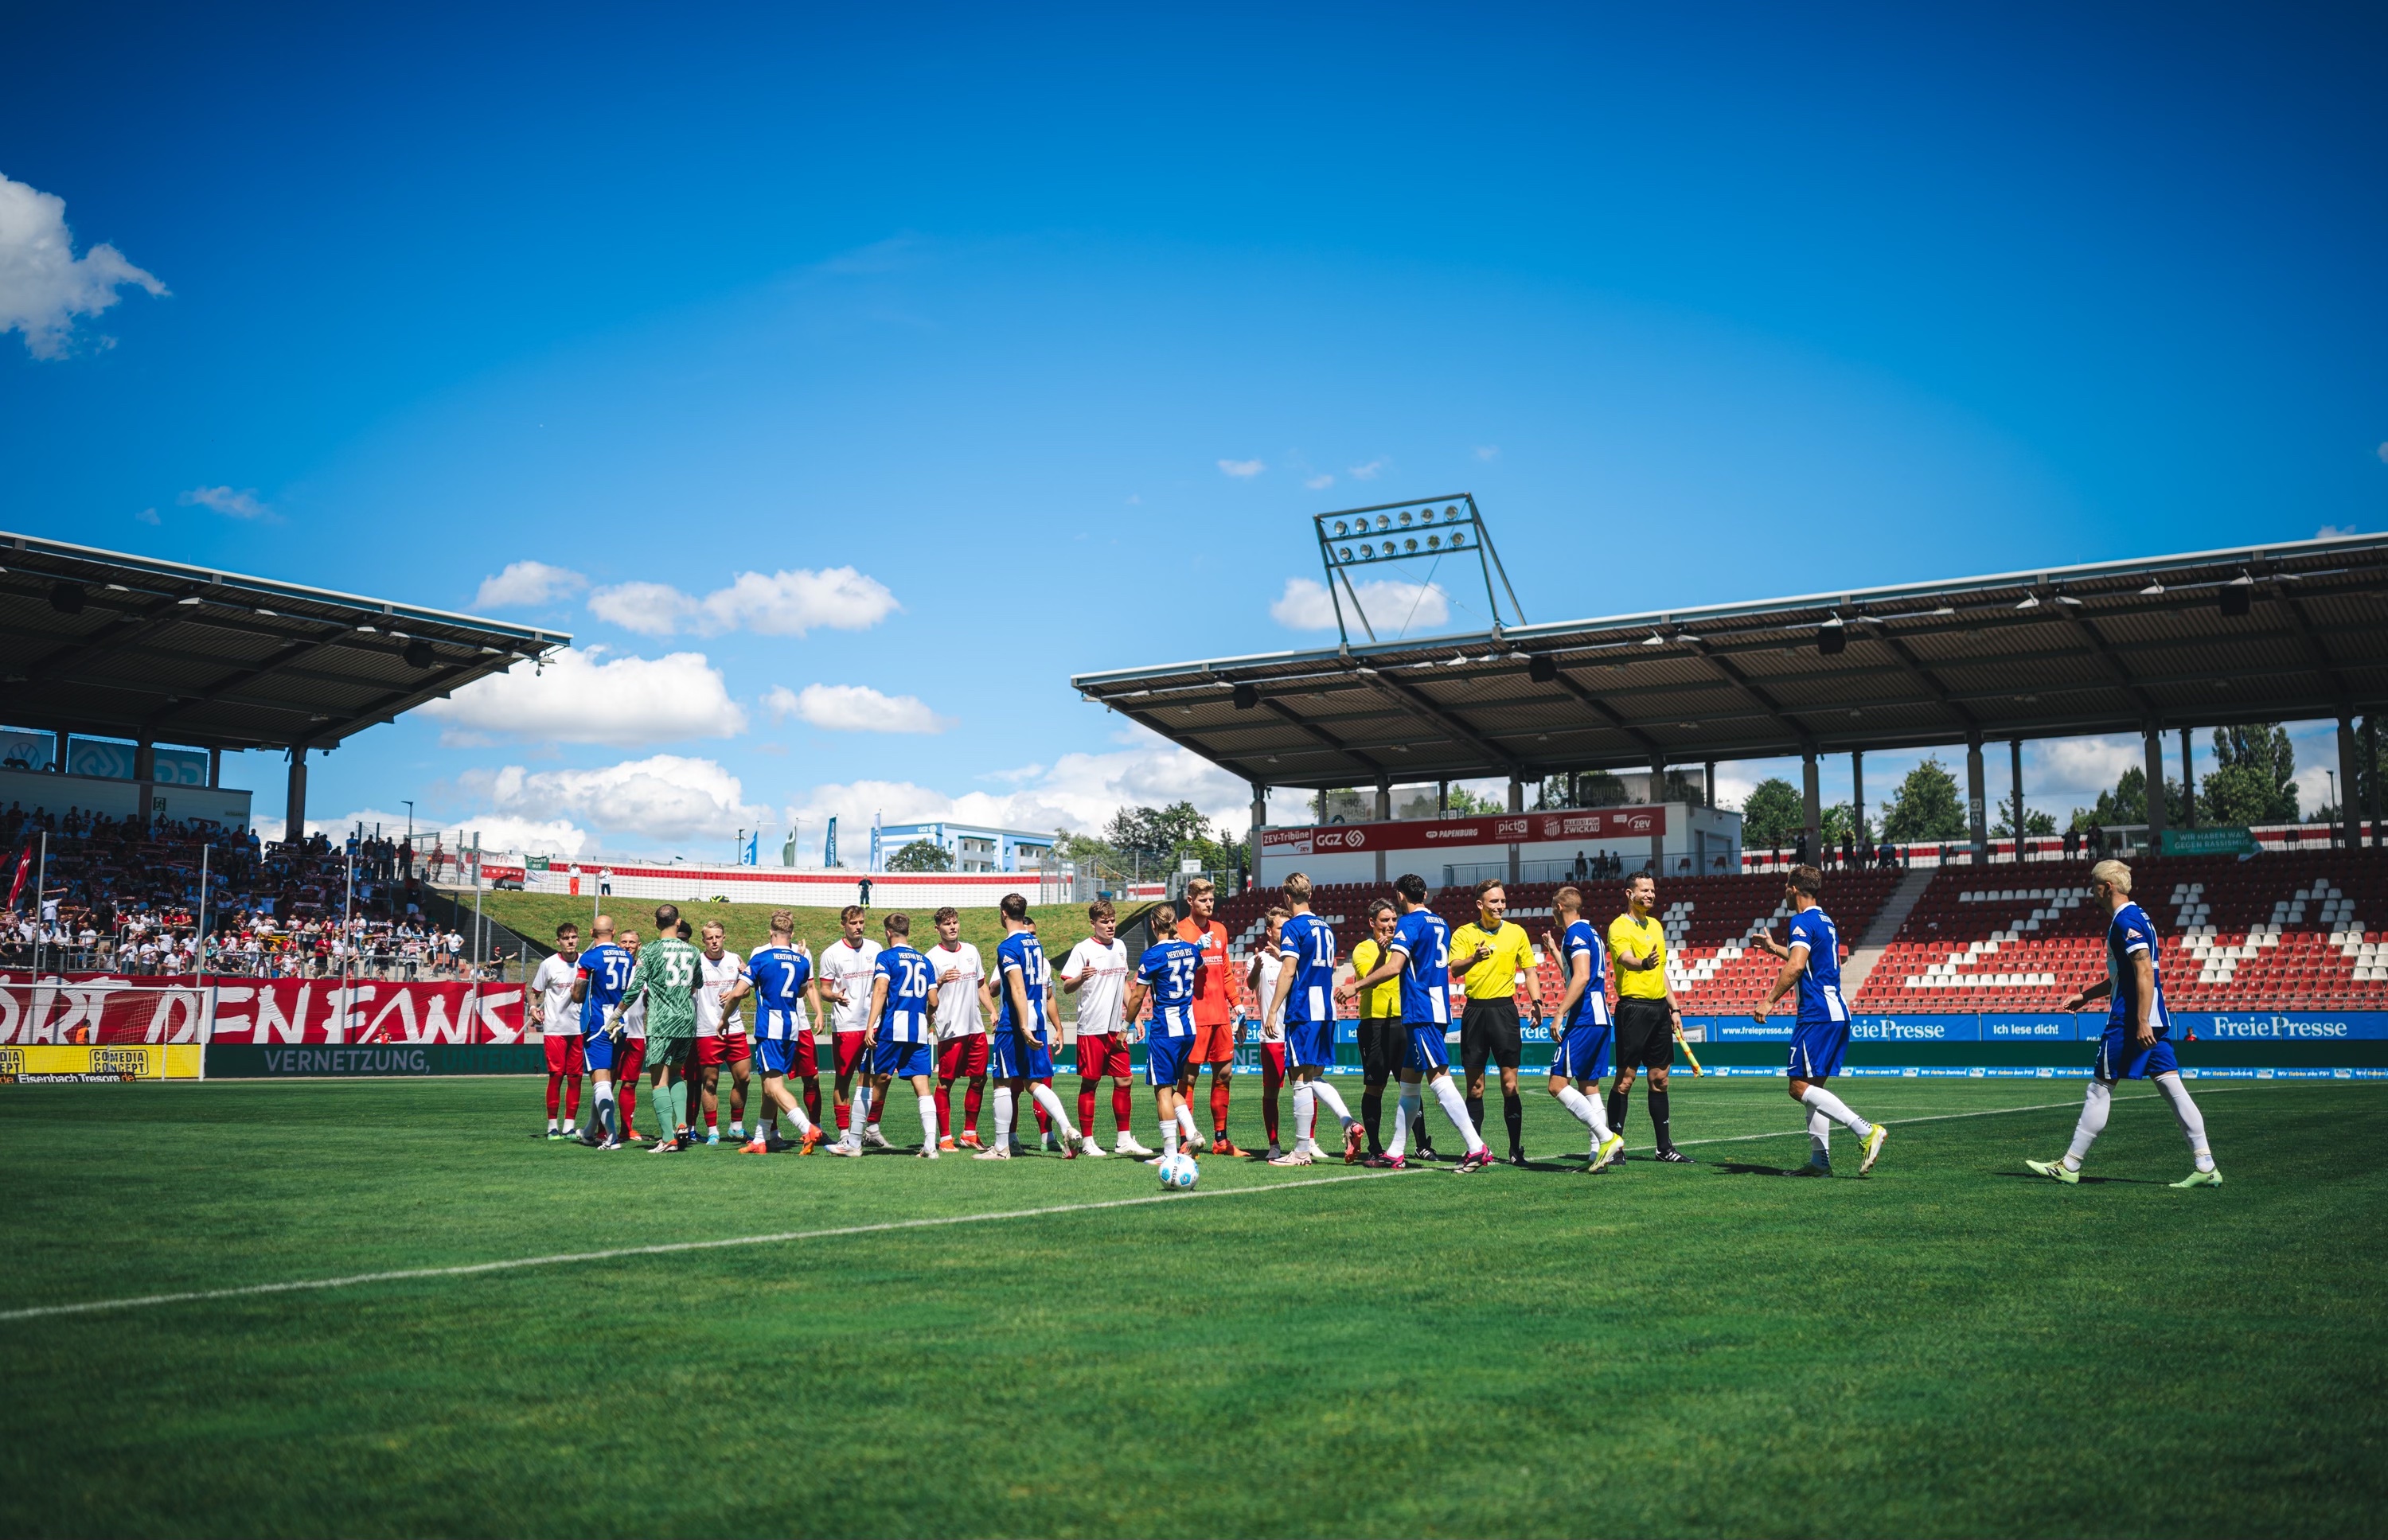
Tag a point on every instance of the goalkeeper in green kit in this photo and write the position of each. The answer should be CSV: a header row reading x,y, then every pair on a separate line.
x,y
670,974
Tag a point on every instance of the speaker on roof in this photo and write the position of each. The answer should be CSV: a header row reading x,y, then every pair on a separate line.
x,y
417,654
1541,668
67,599
1247,697
2238,596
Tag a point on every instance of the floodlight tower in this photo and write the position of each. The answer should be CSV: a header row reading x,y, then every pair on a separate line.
x,y
1424,529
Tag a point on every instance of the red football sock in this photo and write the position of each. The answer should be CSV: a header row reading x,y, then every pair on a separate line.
x,y
572,1098
1123,1106
1219,1105
628,1093
945,1109
1044,1118
842,1107
812,1102
554,1094
1086,1105
971,1098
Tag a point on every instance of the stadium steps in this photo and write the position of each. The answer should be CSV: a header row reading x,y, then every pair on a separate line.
x,y
1882,931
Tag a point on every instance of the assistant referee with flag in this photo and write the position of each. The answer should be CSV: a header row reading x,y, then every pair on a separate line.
x,y
1646,1013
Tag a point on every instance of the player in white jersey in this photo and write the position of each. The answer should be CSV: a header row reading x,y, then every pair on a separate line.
x,y
845,969
553,1014
720,1033
962,1001
1096,971
1261,980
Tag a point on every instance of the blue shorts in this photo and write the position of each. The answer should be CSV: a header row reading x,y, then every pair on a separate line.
x,y
1817,1048
2119,1058
597,1052
1309,1044
1164,1058
1583,1052
1424,1054
775,1056
903,1060
1016,1056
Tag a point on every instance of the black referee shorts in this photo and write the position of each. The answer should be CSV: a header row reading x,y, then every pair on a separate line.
x,y
1488,1029
1645,1033
1383,1046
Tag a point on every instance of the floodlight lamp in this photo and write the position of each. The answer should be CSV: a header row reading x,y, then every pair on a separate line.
x,y
1410,544
2152,590
1366,552
1944,609
1654,639
193,599
2030,601
1345,555
1406,518
1458,539
2069,601
1341,528
1434,542
1450,512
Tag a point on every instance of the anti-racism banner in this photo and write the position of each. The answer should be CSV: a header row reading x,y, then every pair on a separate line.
x,y
1504,828
102,1009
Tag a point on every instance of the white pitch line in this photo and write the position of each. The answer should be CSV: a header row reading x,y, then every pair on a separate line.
x,y
674,1248
670,1248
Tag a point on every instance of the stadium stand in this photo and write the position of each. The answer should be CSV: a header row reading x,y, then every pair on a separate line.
x,y
2281,932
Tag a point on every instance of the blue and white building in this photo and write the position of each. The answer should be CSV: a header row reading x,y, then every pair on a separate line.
x,y
974,847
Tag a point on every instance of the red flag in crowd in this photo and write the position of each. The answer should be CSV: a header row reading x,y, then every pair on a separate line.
x,y
24,864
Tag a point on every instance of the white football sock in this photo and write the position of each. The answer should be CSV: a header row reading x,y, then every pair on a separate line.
x,y
1169,1136
1407,1109
1587,1111
2193,1122
1051,1102
602,1111
1454,1107
2095,1109
928,1122
1333,1099
1305,1112
1185,1122
859,1118
1002,1117
1820,1135
1820,1100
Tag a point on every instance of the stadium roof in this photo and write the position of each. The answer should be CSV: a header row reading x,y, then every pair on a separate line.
x,y
97,642
2272,633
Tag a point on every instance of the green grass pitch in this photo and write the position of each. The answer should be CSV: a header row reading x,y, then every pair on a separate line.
x,y
1948,1347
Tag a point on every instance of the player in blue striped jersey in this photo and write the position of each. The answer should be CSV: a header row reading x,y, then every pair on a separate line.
x,y
1166,975
1305,996
2136,1043
1420,954
903,1031
783,978
1581,1029
602,976
1027,1022
1820,1037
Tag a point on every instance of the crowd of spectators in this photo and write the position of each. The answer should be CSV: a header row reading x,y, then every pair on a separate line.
x,y
112,895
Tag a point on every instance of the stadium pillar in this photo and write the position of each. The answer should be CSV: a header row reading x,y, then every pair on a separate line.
x,y
145,761
1516,804
294,816
58,757
1260,813
1708,785
2349,810
2371,774
1863,835
2188,784
2015,776
1811,803
215,769
2152,736
1384,815
1659,795
1976,808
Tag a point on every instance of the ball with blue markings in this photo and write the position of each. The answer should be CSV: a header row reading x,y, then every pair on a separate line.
x,y
1178,1172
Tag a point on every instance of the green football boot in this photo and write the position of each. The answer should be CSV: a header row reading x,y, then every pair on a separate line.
x,y
2200,1178
2056,1169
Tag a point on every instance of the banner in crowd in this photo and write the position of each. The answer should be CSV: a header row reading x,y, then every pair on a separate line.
x,y
104,1008
1491,828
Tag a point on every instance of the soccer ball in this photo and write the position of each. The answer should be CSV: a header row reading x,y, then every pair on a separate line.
x,y
1179,1173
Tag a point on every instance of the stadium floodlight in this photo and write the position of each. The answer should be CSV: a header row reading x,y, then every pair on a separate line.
x,y
1364,537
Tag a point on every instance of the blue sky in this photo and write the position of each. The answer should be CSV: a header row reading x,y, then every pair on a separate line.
x,y
1000,347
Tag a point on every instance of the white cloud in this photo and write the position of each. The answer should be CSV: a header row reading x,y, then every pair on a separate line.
x,y
2313,784
43,286
854,709
1319,483
2333,532
223,499
1488,452
1242,470
665,800
503,832
2383,450
1078,792
1367,472
2066,771
582,697
1391,605
775,604
527,582
148,516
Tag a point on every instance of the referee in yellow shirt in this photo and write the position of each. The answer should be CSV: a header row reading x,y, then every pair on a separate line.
x,y
1382,1042
1646,1013
1489,953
